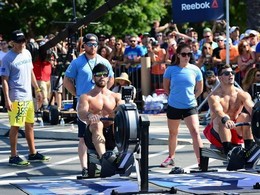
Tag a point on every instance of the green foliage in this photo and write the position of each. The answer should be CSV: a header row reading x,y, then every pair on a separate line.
x,y
41,17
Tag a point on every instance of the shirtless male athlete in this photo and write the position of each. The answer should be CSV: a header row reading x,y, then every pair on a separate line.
x,y
226,105
99,103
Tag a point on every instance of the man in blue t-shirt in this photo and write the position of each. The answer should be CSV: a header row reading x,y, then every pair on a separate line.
x,y
78,80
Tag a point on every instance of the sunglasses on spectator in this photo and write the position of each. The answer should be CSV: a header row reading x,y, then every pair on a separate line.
x,y
100,74
257,75
207,36
220,40
118,44
206,48
92,44
186,54
245,46
132,41
227,73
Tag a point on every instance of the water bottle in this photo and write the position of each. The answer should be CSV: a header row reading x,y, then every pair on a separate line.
x,y
62,122
41,123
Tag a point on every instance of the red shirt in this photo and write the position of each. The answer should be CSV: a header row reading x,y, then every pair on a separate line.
x,y
42,70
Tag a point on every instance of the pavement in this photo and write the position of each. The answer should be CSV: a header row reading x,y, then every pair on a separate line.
x,y
158,130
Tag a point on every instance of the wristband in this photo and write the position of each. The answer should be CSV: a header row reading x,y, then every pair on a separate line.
x,y
38,90
224,119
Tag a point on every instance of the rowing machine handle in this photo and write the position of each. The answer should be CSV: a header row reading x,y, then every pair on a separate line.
x,y
242,124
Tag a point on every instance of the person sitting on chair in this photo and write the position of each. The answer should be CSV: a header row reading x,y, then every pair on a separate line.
x,y
226,105
100,103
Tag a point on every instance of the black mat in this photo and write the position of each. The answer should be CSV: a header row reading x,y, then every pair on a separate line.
x,y
209,182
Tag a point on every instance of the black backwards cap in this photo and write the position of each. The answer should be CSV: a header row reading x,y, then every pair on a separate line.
x,y
18,36
100,68
90,37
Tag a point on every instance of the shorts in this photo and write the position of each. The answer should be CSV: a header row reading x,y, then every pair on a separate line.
x,y
46,90
57,88
214,138
108,134
22,112
176,114
81,128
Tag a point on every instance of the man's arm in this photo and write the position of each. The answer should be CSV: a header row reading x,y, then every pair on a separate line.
x,y
69,85
38,92
248,103
83,107
166,85
216,107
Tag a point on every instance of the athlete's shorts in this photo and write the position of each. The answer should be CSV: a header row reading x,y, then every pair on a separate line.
x,y
214,138
175,113
22,112
108,134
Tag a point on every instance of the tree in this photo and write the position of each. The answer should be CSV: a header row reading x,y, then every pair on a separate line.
x,y
43,17
253,15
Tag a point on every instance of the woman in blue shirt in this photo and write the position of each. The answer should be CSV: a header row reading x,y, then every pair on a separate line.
x,y
183,82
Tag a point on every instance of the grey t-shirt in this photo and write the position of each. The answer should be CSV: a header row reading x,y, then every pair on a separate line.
x,y
18,67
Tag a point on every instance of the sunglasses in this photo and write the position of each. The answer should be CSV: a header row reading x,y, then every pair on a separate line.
x,y
118,44
257,75
132,41
220,40
92,44
207,36
100,74
245,46
186,54
227,73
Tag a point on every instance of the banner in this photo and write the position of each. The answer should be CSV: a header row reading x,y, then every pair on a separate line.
x,y
197,10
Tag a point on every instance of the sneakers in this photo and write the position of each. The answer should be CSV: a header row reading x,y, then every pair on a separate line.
x,y
84,172
17,161
38,157
167,162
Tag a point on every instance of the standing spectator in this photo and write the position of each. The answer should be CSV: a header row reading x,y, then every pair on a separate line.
x,y
123,80
246,58
252,76
103,43
3,52
17,79
78,80
253,38
104,52
183,82
216,52
171,50
42,71
112,42
208,38
117,57
158,66
132,58
205,61
234,35
157,28
233,52
195,50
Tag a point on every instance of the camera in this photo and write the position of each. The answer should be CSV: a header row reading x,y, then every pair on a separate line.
x,y
256,91
127,93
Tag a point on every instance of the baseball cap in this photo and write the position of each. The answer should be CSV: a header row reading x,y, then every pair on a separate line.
x,y
207,30
90,37
18,36
233,29
210,73
100,68
189,30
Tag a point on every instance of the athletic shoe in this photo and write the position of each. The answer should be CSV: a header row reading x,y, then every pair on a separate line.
x,y
17,161
84,172
168,161
38,157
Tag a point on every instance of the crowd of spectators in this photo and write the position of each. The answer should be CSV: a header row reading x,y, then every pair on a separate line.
x,y
125,53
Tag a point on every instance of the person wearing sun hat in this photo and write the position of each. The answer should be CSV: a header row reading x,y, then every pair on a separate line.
x,y
123,80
